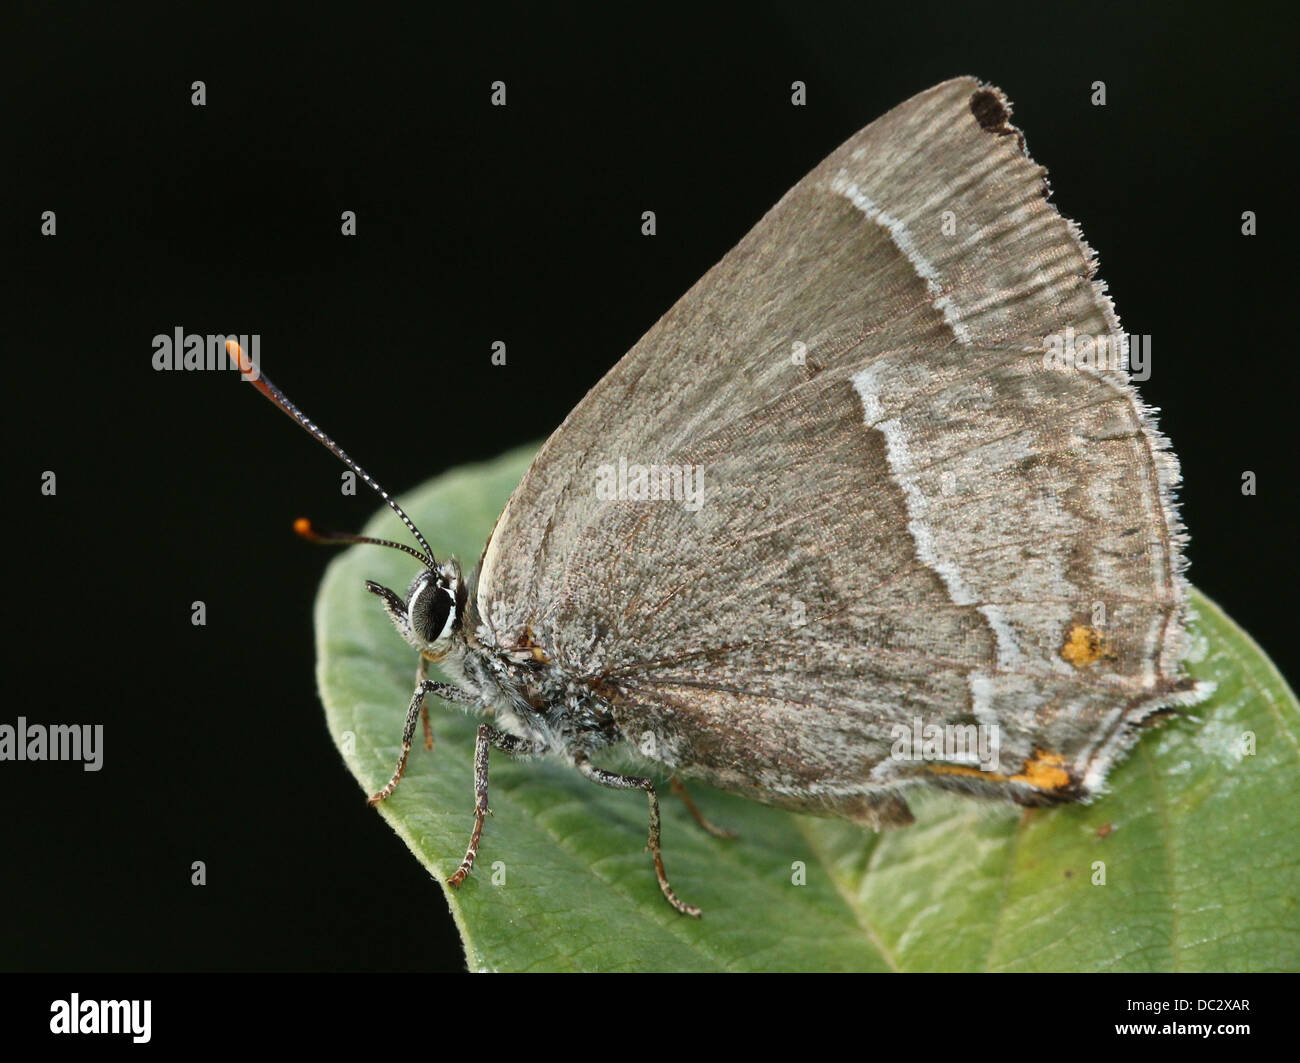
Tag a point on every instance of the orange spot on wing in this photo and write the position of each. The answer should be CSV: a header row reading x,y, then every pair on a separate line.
x,y
1045,771
1083,645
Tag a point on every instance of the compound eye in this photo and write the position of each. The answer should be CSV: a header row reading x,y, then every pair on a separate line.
x,y
432,609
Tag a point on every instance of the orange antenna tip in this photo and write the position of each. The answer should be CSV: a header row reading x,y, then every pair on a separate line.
x,y
236,354
303,527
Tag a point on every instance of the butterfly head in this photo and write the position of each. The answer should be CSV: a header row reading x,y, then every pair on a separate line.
x,y
430,617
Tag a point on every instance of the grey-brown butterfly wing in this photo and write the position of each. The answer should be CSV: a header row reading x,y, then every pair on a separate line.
x,y
908,516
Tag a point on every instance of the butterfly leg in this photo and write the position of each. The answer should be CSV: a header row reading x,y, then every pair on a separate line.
x,y
634,782
680,790
488,738
425,687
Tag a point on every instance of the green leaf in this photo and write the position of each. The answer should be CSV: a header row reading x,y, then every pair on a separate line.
x,y
1198,837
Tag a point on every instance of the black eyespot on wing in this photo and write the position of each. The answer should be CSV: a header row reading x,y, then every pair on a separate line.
x,y
990,111
993,113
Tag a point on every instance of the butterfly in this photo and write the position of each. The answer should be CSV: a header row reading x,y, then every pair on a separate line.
x,y
874,506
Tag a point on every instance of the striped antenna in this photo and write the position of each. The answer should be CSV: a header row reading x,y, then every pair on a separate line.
x,y
254,376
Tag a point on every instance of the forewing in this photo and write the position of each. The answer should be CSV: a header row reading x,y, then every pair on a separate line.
x,y
907,514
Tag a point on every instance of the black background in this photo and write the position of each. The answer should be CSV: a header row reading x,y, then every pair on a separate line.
x,y
478,224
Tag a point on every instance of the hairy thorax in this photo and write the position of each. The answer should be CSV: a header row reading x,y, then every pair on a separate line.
x,y
536,701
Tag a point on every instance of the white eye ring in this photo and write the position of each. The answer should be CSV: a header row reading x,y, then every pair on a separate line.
x,y
452,589
451,613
